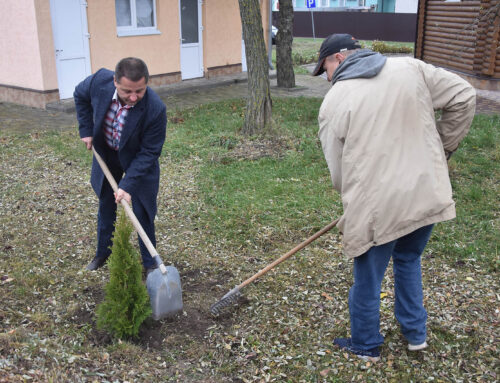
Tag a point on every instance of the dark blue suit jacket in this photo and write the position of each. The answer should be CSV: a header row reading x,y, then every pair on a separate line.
x,y
141,141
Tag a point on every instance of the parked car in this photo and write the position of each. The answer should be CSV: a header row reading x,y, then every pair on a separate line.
x,y
274,32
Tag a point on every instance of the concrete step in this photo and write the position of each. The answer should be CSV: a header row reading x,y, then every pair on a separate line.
x,y
66,106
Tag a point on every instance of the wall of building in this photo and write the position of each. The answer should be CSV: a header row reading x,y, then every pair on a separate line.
x,y
27,70
160,51
325,4
265,13
29,74
223,43
46,44
463,37
386,6
19,43
221,33
221,37
406,6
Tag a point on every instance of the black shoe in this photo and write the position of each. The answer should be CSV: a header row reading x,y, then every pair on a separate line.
x,y
96,263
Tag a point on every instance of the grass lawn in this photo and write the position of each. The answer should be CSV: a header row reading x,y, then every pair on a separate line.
x,y
227,207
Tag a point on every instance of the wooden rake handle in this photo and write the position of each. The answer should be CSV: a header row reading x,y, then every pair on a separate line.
x,y
130,212
289,254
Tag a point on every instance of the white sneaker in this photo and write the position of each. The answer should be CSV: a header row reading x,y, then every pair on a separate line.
x,y
417,347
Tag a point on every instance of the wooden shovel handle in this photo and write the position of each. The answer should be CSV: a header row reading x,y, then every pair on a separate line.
x,y
126,206
290,253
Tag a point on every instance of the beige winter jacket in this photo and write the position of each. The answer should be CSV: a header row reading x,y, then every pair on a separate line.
x,y
386,152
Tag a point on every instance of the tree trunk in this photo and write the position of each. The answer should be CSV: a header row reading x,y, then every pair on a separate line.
x,y
258,111
284,39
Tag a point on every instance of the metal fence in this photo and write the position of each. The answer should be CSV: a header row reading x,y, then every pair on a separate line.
x,y
363,25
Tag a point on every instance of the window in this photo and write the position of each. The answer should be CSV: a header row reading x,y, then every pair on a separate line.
x,y
135,17
325,3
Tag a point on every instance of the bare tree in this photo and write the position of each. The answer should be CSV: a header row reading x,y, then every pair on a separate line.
x,y
258,111
284,39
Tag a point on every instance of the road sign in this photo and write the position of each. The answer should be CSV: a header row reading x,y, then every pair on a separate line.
x,y
312,4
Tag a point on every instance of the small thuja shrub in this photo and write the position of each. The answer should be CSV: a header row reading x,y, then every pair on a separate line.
x,y
126,304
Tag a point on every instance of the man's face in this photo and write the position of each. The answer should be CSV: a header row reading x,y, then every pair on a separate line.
x,y
331,64
130,92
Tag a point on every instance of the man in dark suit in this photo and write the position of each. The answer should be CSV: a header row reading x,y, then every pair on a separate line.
x,y
126,123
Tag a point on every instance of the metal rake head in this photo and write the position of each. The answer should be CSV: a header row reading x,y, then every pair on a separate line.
x,y
227,300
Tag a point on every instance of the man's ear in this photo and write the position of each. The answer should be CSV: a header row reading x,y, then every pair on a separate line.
x,y
114,81
340,57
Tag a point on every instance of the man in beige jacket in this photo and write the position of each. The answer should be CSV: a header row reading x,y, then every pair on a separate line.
x,y
387,156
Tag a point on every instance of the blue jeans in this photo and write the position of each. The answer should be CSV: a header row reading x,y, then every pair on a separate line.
x,y
364,295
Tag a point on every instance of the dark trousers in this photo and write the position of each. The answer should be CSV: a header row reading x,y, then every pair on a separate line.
x,y
106,216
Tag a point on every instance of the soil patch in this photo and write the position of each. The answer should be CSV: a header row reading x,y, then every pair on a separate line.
x,y
192,280
199,290
274,147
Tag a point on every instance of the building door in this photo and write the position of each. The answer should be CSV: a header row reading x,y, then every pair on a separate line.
x,y
71,42
191,39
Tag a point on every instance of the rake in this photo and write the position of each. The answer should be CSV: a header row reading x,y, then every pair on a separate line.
x,y
233,295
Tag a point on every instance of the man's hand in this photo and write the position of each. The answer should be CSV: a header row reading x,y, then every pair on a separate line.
x,y
88,142
122,194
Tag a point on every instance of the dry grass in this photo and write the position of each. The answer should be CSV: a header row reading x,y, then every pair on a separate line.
x,y
283,328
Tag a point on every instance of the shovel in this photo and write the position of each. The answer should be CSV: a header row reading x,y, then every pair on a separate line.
x,y
164,283
233,295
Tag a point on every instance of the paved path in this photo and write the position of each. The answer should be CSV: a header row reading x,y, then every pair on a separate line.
x,y
19,119
306,86
487,102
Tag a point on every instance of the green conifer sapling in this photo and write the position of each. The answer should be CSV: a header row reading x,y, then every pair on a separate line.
x,y
126,304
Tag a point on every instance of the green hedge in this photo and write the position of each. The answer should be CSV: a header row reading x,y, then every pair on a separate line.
x,y
383,47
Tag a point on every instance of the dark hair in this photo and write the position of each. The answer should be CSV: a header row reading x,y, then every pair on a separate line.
x,y
132,68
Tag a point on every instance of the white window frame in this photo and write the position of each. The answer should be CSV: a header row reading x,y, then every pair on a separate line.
x,y
134,30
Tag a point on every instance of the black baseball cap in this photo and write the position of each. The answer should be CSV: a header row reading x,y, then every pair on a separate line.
x,y
335,43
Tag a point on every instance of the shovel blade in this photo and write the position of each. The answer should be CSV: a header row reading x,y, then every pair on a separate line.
x,y
165,292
